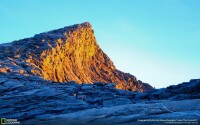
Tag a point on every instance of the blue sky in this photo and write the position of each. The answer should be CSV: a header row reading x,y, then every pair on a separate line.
x,y
158,41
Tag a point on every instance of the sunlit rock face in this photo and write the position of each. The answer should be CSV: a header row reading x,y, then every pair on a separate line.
x,y
63,55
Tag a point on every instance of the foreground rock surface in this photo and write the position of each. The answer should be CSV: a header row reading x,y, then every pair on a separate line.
x,y
33,100
134,113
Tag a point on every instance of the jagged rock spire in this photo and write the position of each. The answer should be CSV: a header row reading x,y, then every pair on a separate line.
x,y
67,54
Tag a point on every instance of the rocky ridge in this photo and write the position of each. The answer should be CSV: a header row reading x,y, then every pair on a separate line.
x,y
33,100
35,90
64,55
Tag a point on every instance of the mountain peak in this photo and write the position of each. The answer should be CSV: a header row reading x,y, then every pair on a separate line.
x,y
86,24
67,54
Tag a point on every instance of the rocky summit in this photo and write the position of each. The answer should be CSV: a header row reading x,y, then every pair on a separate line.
x,y
62,77
63,55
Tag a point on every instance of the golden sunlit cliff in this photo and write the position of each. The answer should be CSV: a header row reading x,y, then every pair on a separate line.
x,y
67,54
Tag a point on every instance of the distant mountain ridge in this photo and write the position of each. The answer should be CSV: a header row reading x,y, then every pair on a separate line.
x,y
67,54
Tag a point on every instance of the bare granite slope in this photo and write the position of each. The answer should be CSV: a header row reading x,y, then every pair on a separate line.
x,y
32,70
67,54
34,101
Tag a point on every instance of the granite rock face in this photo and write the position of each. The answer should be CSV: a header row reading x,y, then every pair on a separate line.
x,y
186,90
63,77
64,55
33,100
